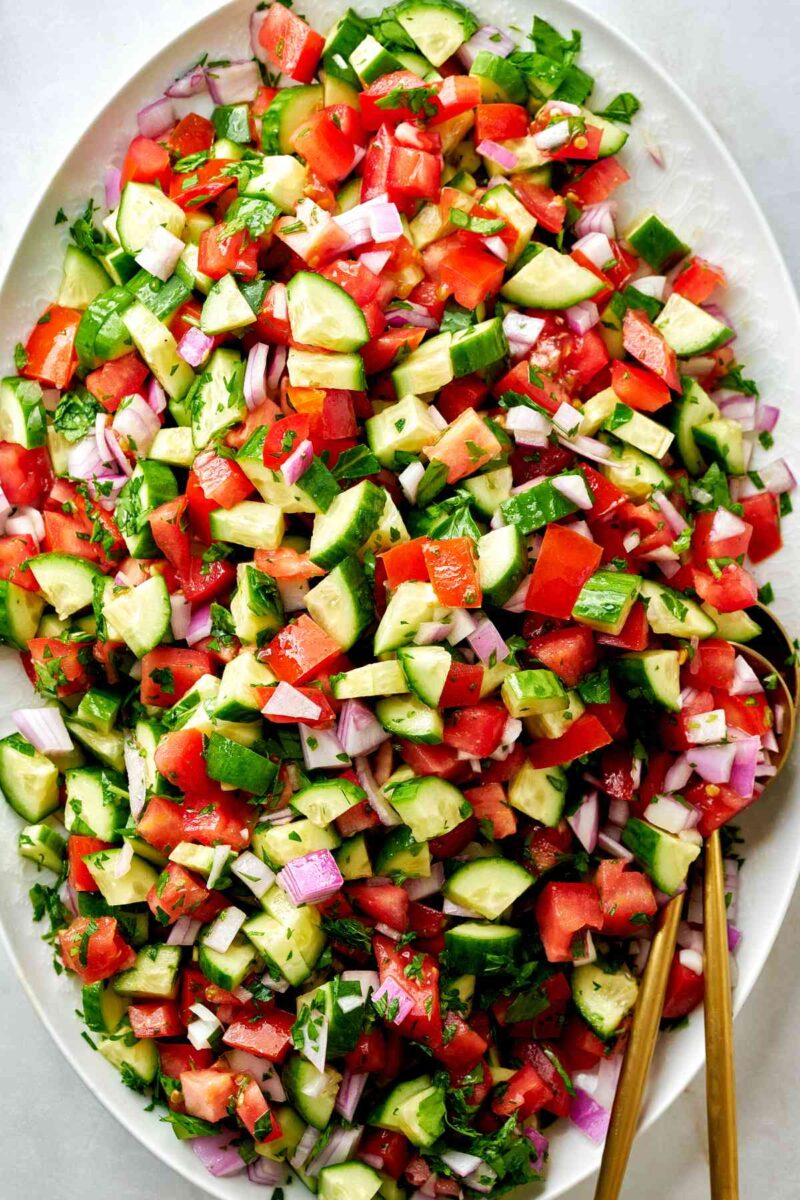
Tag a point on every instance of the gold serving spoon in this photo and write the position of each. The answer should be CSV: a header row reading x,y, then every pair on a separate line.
x,y
777,647
718,1015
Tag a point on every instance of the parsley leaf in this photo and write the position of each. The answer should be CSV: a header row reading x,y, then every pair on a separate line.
x,y
356,463
622,108
419,100
485,225
74,417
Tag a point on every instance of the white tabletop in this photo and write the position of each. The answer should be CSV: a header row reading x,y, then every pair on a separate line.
x,y
59,61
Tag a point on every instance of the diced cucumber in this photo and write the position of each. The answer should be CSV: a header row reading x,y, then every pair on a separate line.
x,y
736,626
501,200
427,369
404,427
314,491
20,612
390,529
532,692
665,857
103,1009
256,606
237,699
135,1058
670,612
218,400
487,886
82,279
289,109
411,605
656,243
282,179
290,938
312,1092
150,485
342,603
482,949
437,27
639,431
225,308
603,996
539,792
501,82
551,280
143,208
400,853
43,845
22,415
425,669
348,523
478,347
408,717
140,616
605,600
96,802
108,747
416,1109
539,505
489,490
634,473
348,1181
324,800
154,975
249,523
309,369
722,440
689,329
158,348
238,766
555,723
202,860
652,676
321,313
352,858
227,968
374,679
431,807
694,407
281,844
130,888
502,563
173,446
65,580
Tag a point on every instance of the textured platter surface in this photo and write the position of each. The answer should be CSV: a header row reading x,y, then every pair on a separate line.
x,y
702,194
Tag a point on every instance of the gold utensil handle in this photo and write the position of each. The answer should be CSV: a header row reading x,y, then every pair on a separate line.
x,y
720,1081
638,1055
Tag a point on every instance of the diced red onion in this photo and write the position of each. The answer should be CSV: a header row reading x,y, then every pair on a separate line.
x,y
195,347
739,408
156,396
375,796
734,938
618,812
524,329
651,285
340,1147
496,246
516,603
184,932
120,456
631,540
83,460
582,317
388,931
451,909
253,873
462,624
359,730
743,773
304,1148
44,728
219,861
431,632
692,960
481,1180
528,426
257,19
156,118
487,642
612,846
411,314
113,186
418,889
705,728
574,489
267,1171
181,615
540,1145
777,477
668,813
160,253
136,422
713,763
766,418
322,749
597,248
585,822
587,447
224,929
287,701
219,1154
293,594
488,37
311,877
277,364
779,716
677,523
745,680
589,1117
409,479
350,1092
553,136
461,1164
598,218
725,524
500,154
298,462
391,991
199,625
567,419
690,938
255,376
137,780
124,860
678,775
190,84
237,83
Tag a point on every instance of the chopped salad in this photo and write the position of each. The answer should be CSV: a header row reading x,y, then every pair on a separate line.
x,y
377,522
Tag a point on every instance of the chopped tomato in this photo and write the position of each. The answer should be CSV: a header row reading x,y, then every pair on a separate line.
x,y
638,388
380,352
424,1022
462,685
146,161
564,910
598,182
698,279
155,1019
324,145
571,653
387,903
500,122
635,633
453,571
525,1093
112,381
222,480
566,560
489,804
542,202
207,1094
193,191
94,949
647,345
729,590
405,561
433,760
717,803
50,349
192,135
390,1147
168,527
287,563
762,514
168,673
684,992
626,898
222,817
15,551
582,737
221,253
267,1036
477,730
62,667
474,275
291,45
79,876
177,893
300,651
